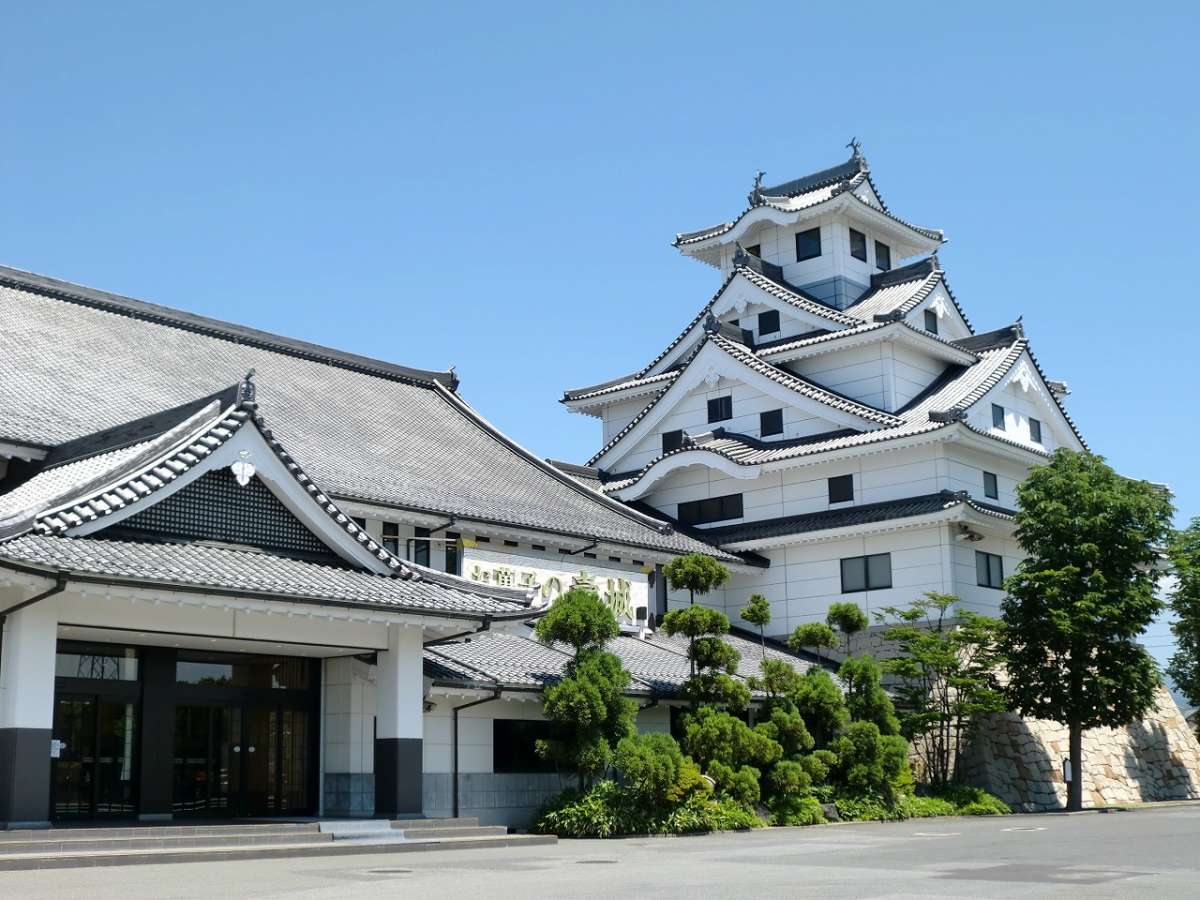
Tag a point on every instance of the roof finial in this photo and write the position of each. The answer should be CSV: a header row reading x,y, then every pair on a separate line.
x,y
755,195
247,390
855,146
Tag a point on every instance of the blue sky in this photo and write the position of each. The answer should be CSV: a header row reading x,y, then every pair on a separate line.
x,y
496,186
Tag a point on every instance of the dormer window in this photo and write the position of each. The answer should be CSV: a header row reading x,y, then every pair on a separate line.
x,y
858,245
883,256
931,323
1035,430
768,322
808,244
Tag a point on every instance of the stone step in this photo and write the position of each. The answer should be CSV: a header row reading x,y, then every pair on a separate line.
x,y
141,831
464,821
80,859
158,842
416,834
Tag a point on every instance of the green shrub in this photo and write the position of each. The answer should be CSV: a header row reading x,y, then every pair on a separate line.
x,y
740,785
793,810
925,807
699,813
972,801
590,815
650,766
866,808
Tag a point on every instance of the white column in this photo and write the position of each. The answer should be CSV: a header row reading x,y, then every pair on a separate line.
x,y
399,711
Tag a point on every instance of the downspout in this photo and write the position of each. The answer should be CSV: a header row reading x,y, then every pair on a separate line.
x,y
484,625
454,741
60,583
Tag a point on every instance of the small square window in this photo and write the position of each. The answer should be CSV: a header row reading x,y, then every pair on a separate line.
x,y
858,245
931,322
883,256
770,422
989,570
768,322
672,440
720,409
808,244
841,489
1035,430
755,250
997,416
991,487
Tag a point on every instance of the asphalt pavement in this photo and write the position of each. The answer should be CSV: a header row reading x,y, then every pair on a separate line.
x,y
1141,853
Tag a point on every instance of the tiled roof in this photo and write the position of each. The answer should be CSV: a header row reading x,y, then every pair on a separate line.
x,y
202,567
899,291
927,412
657,662
366,430
797,298
866,514
626,383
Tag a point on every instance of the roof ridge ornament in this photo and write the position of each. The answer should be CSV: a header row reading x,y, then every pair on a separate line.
x,y
755,197
855,147
247,391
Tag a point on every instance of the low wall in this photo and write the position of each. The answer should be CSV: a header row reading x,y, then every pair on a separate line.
x,y
1020,760
510,800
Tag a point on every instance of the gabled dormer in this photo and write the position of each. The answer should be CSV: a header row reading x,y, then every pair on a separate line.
x,y
827,233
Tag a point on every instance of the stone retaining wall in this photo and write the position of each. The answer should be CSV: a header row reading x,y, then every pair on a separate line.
x,y
1020,760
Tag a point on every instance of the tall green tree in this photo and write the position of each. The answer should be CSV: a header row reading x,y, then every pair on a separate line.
x,y
712,660
816,636
758,613
587,706
1081,598
945,678
696,574
1184,599
847,619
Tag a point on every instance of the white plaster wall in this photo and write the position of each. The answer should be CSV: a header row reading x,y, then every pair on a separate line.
x,y
951,325
914,371
617,415
857,372
1019,405
349,734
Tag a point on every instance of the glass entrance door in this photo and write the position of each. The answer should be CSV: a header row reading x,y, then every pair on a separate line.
x,y
92,761
208,770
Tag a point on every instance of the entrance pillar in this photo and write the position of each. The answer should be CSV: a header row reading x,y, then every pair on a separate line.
x,y
27,714
399,724
155,800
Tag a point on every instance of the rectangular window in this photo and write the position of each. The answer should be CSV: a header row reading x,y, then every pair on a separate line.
x,y
755,250
858,245
768,322
770,422
931,323
997,416
841,489
883,256
989,570
808,244
720,409
391,537
513,746
1035,430
421,547
103,662
866,573
243,670
672,440
453,554
714,509
991,487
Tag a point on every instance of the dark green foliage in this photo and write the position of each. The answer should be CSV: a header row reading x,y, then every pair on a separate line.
x,y
786,727
821,705
713,653
716,689
815,636
695,573
711,735
1184,667
946,678
848,619
788,777
579,619
818,764
971,801
587,706
866,700
694,623
740,785
796,810
776,679
608,810
870,763
758,613
1082,596
651,765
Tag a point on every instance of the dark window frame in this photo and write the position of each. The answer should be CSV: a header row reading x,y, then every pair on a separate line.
x,y
858,241
931,321
805,242
991,485
453,556
672,440
883,260
768,321
710,509
1035,430
774,423
720,409
421,547
998,413
838,488
390,537
859,567
989,570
